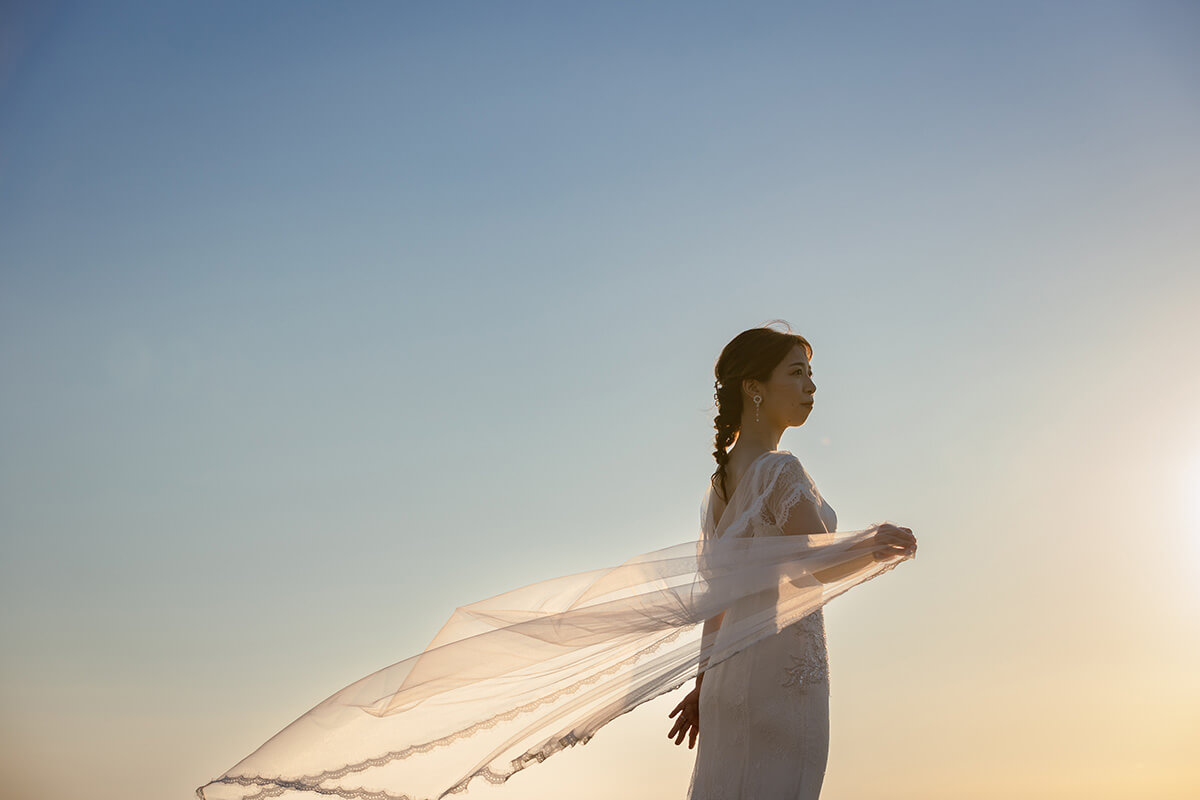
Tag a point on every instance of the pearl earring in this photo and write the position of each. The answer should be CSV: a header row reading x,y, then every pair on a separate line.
x,y
757,403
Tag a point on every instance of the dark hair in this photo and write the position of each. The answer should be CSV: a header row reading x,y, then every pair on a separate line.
x,y
752,354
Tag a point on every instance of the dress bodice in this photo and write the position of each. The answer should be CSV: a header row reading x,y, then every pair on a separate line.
x,y
771,487
764,711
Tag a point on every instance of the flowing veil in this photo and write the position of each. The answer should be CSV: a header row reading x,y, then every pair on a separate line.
x,y
511,680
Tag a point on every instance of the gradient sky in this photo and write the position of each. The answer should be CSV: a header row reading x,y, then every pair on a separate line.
x,y
318,320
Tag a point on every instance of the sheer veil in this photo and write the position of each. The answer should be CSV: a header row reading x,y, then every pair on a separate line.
x,y
511,680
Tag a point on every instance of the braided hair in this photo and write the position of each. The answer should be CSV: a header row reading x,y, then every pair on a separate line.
x,y
752,354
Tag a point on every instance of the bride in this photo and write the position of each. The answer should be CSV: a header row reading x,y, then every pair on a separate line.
x,y
765,709
513,679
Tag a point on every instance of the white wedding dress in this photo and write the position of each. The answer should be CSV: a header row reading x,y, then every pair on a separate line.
x,y
513,679
764,713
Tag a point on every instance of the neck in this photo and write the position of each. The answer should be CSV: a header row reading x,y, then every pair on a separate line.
x,y
761,437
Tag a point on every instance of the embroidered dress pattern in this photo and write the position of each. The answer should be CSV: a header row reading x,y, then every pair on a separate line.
x,y
811,667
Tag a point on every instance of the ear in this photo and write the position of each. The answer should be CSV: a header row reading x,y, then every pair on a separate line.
x,y
751,387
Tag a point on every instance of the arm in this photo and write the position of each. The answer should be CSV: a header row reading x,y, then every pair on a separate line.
x,y
711,626
850,567
804,520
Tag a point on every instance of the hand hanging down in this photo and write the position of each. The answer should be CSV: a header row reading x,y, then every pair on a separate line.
x,y
689,719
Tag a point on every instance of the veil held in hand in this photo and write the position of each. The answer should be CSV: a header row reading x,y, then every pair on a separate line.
x,y
511,680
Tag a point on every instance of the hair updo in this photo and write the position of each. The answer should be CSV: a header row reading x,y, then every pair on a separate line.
x,y
753,353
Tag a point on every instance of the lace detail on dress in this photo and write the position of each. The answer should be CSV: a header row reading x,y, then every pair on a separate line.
x,y
800,492
811,666
794,485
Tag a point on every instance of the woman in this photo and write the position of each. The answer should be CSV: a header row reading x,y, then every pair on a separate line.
x,y
765,709
513,679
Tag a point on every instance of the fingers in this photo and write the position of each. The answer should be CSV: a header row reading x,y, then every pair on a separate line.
x,y
897,542
687,724
891,551
887,528
688,733
899,538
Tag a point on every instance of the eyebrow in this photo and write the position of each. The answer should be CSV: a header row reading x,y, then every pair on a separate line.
x,y
800,364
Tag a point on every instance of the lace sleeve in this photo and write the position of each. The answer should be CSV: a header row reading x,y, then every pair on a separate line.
x,y
792,485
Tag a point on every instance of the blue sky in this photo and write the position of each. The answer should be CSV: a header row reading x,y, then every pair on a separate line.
x,y
319,320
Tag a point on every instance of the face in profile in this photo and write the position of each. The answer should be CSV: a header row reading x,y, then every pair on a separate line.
x,y
790,390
